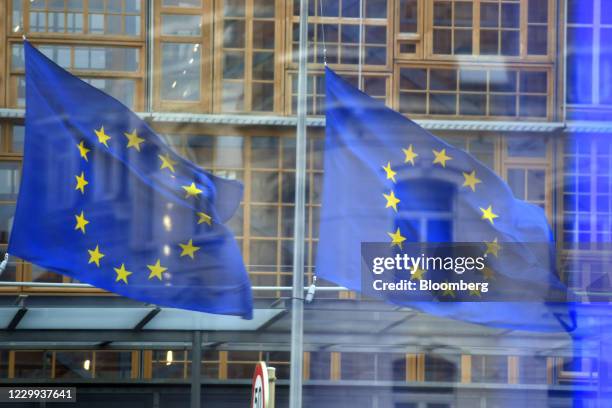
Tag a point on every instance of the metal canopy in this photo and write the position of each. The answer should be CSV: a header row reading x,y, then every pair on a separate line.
x,y
127,318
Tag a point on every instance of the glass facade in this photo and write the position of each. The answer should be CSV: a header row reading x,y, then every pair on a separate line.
x,y
524,86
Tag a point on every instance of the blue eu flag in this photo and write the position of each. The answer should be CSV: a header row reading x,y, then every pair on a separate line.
x,y
388,180
105,201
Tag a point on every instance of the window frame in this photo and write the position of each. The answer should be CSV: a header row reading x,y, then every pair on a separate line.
x,y
44,35
205,39
523,56
476,66
278,51
136,76
315,20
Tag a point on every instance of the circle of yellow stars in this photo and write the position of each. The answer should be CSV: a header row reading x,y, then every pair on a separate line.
x,y
471,182
135,142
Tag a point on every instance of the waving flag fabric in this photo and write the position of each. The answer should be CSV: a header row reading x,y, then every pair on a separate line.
x,y
105,201
388,180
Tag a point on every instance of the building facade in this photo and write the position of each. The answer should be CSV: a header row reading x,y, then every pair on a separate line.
x,y
523,85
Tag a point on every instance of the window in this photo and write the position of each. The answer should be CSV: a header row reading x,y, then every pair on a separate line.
x,y
120,70
442,368
500,28
240,363
336,24
170,364
357,366
73,364
320,365
473,92
490,28
210,364
452,27
490,369
532,370
375,85
183,79
32,364
73,17
247,41
113,364
589,55
587,192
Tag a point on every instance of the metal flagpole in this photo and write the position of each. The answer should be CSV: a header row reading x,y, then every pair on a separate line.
x,y
297,303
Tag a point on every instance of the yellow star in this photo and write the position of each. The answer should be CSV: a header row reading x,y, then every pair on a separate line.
x,y
133,140
418,274
410,155
102,137
122,274
488,273
488,214
396,237
192,190
81,222
448,292
493,247
204,218
475,292
83,150
95,255
81,183
156,270
441,157
167,162
390,173
189,249
391,200
471,180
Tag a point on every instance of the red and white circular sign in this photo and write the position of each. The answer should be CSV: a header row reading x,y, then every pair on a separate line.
x,y
260,391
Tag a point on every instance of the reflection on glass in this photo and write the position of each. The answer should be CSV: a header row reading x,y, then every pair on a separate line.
x,y
180,72
181,24
73,364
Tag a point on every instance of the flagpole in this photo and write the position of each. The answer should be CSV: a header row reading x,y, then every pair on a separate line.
x,y
297,302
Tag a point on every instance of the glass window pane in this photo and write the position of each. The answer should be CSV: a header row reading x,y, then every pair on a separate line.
x,y
263,8
537,40
113,24
180,79
107,58
233,65
579,65
73,364
32,364
376,8
263,34
463,14
132,25
442,41
408,14
9,180
263,97
182,3
233,34
113,364
233,8
233,96
538,11
442,79
181,24
510,15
